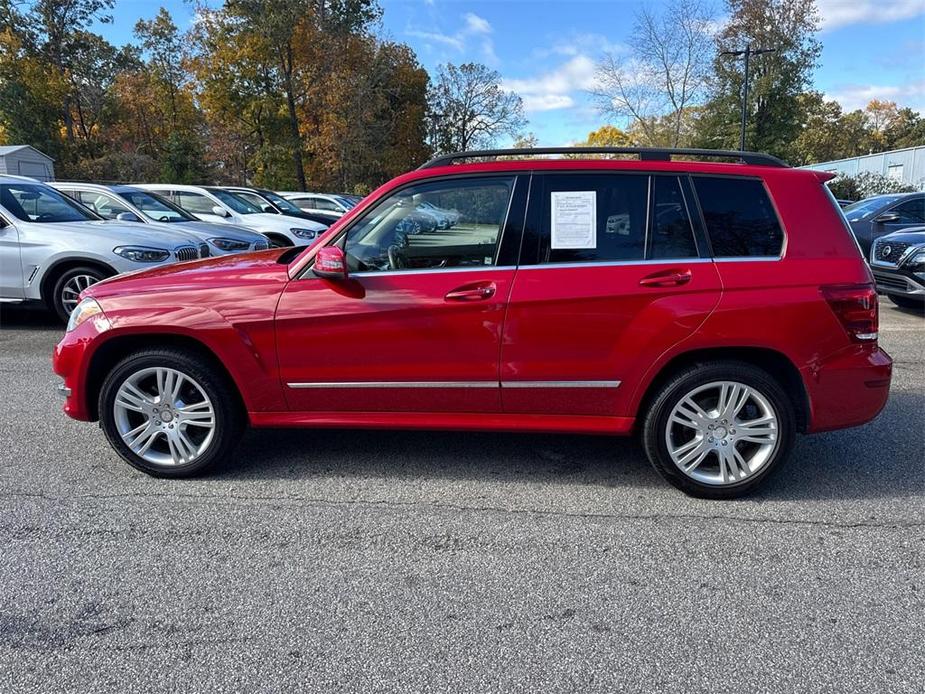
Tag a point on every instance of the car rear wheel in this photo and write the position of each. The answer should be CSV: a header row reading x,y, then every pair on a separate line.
x,y
718,430
907,301
169,413
67,289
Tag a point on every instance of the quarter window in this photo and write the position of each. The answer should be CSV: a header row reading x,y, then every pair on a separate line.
x,y
401,233
605,214
194,202
740,219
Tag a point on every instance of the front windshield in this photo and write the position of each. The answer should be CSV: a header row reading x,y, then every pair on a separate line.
x,y
256,200
281,202
155,207
32,202
865,208
349,204
235,202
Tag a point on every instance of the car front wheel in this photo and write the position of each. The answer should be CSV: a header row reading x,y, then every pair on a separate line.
x,y
169,412
68,287
718,430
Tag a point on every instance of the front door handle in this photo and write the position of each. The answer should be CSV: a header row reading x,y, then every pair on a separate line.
x,y
478,291
672,278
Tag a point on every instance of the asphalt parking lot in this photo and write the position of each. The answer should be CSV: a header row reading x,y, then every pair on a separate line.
x,y
441,562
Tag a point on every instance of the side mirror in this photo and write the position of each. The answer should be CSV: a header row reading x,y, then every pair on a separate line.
x,y
330,263
220,211
887,218
269,208
127,217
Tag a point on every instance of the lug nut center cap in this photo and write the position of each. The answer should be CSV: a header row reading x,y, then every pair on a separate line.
x,y
720,432
167,415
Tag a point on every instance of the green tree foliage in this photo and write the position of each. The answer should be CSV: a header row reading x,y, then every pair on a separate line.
x,y
866,184
777,80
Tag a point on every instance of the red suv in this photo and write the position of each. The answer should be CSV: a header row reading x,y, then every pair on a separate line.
x,y
716,308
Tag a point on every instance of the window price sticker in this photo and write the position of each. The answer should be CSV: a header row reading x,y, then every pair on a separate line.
x,y
574,219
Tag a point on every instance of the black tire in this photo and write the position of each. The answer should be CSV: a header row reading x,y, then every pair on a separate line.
x,y
56,301
908,302
230,420
656,422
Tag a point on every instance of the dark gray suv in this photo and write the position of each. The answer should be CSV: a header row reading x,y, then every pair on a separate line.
x,y
874,217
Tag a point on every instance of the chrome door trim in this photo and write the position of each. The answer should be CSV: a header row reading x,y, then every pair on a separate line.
x,y
616,263
454,384
395,384
560,384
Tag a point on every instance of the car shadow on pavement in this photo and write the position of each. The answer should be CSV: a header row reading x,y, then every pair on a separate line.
x,y
28,317
880,459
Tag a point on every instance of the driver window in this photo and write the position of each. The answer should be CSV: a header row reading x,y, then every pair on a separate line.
x,y
444,224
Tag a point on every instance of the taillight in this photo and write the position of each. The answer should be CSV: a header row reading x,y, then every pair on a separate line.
x,y
855,306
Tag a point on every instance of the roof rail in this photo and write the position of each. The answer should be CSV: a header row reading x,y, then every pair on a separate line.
x,y
645,154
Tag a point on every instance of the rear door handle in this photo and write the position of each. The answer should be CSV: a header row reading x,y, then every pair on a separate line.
x,y
478,291
672,278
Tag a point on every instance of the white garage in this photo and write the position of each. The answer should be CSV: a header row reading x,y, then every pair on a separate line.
x,y
26,160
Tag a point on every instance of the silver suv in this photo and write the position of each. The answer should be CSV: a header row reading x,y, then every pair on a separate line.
x,y
52,248
131,204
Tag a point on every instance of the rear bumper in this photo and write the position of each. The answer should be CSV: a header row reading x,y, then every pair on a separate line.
x,y
848,389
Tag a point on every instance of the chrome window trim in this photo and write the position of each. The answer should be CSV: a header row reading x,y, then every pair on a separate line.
x,y
615,263
433,271
749,259
454,384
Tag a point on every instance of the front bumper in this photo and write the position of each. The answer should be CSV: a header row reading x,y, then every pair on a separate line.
x,y
70,361
897,282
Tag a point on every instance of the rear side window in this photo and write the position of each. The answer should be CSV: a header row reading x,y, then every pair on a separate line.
x,y
594,217
740,219
672,235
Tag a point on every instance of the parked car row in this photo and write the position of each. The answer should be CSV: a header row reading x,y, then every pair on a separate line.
x,y
890,229
58,239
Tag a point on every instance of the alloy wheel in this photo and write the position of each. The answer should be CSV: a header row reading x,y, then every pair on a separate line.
x,y
70,292
164,416
722,433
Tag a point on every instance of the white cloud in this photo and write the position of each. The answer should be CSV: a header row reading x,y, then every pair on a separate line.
x,y
580,43
553,90
839,13
473,27
854,96
476,24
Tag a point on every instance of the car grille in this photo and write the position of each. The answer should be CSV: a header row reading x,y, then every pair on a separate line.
x,y
187,253
204,250
888,252
890,282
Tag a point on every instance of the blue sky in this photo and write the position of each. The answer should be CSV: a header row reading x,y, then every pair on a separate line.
x,y
546,50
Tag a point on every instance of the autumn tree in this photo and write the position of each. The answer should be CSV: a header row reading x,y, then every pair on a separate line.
x,y
471,107
664,73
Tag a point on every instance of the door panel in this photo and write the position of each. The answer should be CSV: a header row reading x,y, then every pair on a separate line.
x,y
597,324
393,341
583,326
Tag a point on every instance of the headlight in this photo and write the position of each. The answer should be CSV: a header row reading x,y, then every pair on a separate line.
x,y
84,311
304,233
916,264
141,254
229,244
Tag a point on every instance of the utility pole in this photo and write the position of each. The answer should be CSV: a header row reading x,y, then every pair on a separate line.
x,y
748,53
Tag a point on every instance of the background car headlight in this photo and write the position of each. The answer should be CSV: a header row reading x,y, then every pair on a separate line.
x,y
229,244
916,264
84,311
304,233
141,254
